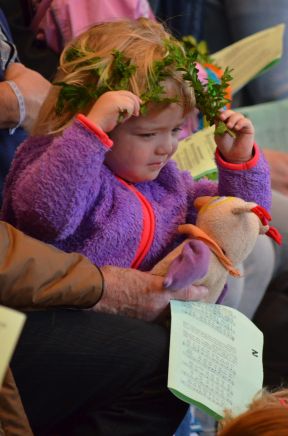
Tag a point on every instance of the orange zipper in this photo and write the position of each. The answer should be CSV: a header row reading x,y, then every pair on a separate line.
x,y
148,227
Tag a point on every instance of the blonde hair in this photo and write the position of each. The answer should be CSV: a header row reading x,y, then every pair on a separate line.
x,y
142,41
266,416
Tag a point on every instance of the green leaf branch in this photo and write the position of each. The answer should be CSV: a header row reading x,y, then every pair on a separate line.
x,y
181,56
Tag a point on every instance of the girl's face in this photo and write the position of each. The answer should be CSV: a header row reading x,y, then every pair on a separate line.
x,y
143,145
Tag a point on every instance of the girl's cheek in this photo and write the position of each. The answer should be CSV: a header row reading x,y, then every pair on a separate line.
x,y
175,146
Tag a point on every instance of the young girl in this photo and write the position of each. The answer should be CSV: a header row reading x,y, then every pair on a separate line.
x,y
97,176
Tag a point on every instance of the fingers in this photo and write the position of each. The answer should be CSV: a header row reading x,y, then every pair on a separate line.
x,y
236,121
114,107
129,105
191,293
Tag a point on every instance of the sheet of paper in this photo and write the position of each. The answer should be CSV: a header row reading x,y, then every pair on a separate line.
x,y
196,153
11,324
248,57
270,122
251,55
215,357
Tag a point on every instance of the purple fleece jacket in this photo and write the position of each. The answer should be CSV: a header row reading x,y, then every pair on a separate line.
x,y
60,191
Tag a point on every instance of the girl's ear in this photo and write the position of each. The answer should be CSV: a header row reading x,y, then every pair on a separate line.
x,y
250,208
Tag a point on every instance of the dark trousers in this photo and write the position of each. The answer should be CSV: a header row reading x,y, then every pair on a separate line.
x,y
85,373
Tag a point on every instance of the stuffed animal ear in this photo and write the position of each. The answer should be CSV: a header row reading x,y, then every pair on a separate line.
x,y
244,208
247,208
241,209
201,201
264,218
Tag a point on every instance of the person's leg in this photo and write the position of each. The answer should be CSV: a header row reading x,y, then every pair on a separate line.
x,y
235,289
226,22
267,265
279,214
216,32
272,314
258,271
113,369
246,292
217,35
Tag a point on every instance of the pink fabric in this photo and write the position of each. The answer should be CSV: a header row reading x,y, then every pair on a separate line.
x,y
66,19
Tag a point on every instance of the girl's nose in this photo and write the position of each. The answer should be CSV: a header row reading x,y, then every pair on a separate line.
x,y
167,146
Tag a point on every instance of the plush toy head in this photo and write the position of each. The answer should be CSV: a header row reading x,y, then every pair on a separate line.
x,y
232,223
228,228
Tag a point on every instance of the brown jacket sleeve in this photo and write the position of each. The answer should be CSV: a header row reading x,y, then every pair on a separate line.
x,y
35,275
13,420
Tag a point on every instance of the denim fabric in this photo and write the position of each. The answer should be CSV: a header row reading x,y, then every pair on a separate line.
x,y
196,423
8,143
189,426
229,21
183,17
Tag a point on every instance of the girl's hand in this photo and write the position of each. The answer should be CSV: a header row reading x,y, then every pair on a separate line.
x,y
114,107
240,148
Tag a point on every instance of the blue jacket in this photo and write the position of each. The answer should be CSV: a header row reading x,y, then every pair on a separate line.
x,y
8,143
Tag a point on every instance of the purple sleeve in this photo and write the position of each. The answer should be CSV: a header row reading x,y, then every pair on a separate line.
x,y
53,192
250,181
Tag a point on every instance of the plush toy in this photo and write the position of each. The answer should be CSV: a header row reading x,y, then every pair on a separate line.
x,y
225,233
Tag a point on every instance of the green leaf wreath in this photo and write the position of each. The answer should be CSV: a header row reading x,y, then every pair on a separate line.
x,y
182,56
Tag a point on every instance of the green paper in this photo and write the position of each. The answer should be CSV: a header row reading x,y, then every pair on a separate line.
x,y
270,122
215,359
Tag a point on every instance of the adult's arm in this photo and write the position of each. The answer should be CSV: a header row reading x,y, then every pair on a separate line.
x,y
13,420
34,89
9,114
35,275
140,294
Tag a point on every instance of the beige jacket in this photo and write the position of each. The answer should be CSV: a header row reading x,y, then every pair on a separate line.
x,y
37,276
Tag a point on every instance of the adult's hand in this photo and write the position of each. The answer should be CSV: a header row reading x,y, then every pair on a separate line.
x,y
278,161
34,88
140,294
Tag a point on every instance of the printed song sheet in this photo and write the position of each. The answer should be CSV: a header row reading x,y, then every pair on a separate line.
x,y
251,55
196,153
215,357
248,57
11,324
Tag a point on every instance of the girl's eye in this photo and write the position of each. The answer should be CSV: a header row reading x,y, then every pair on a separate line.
x,y
177,130
146,135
